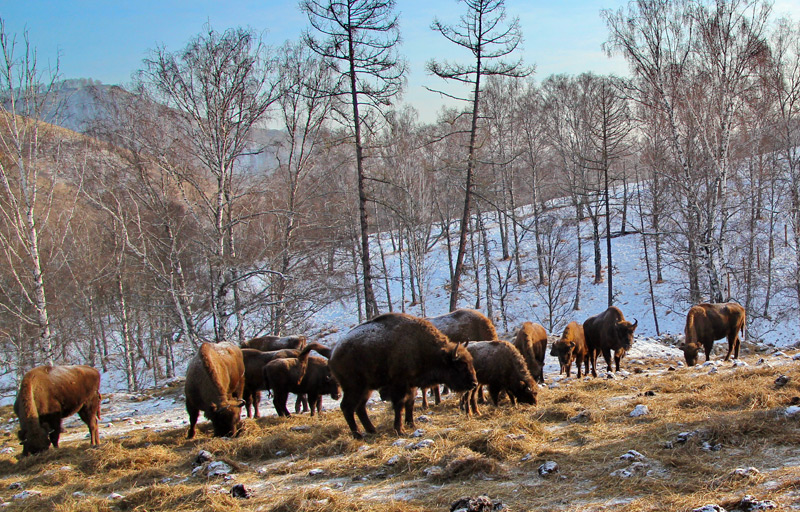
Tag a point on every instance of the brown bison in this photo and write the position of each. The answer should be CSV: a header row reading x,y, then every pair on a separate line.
x,y
254,363
499,366
48,394
571,347
317,380
215,385
282,375
606,332
397,352
270,343
708,322
531,341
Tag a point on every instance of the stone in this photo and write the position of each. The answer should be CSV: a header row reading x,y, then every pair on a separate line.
x,y
635,469
423,419
796,357
632,455
639,410
393,460
706,446
582,417
418,433
316,472
749,472
478,504
685,436
239,491
712,371
26,494
709,508
739,363
16,486
781,381
433,471
115,496
547,469
202,457
750,504
218,468
425,443
301,428
400,442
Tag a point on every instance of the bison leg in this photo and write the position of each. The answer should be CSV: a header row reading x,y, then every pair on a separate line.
x,y
617,358
256,402
409,407
425,398
593,360
279,401
607,357
88,413
733,345
354,402
437,395
473,401
194,412
402,399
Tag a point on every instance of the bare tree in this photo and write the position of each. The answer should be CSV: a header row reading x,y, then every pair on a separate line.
x,y
360,37
482,32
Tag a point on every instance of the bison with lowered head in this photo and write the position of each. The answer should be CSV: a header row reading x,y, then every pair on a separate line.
x,y
571,347
531,341
215,385
499,366
270,343
607,332
399,353
49,393
708,322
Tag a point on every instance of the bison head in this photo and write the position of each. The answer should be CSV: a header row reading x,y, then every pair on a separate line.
x,y
525,392
690,351
625,333
226,418
565,351
35,440
460,374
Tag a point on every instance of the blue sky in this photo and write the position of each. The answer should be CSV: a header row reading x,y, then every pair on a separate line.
x,y
107,39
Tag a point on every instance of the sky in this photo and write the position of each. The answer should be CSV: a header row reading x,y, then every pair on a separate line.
x,y
107,40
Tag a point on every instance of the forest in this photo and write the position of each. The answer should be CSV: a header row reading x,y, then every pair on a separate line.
x,y
239,189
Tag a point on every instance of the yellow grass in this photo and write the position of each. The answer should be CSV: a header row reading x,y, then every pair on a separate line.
x,y
583,425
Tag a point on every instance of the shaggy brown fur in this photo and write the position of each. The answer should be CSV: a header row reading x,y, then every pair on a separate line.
x,y
254,363
571,347
281,374
215,385
606,332
708,322
399,352
499,366
531,341
270,343
316,381
49,393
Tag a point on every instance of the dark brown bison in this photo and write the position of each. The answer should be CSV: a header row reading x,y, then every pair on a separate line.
x,y
270,343
254,363
499,366
397,352
460,326
47,394
317,381
708,322
606,332
283,375
571,347
531,341
215,385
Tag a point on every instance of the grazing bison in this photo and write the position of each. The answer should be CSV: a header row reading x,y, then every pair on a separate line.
x,y
397,352
708,322
316,382
571,347
283,375
606,332
270,343
460,326
254,363
531,341
49,393
499,366
215,385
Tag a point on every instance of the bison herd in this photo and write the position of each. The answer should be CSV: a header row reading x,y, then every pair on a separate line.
x,y
394,353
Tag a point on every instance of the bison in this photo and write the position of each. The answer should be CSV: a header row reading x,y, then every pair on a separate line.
x,y
282,375
254,363
460,326
397,352
215,385
47,394
270,343
571,347
499,366
317,381
606,332
708,322
531,341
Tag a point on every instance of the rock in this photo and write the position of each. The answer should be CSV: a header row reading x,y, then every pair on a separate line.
x,y
650,393
792,411
7,450
554,385
418,433
400,442
796,357
316,472
526,457
639,410
780,354
795,400
669,445
547,469
280,453
635,469
202,457
582,417
709,508
671,369
610,375
750,472
79,494
712,371
301,428
760,361
26,494
478,504
425,443
515,436
15,486
739,363
708,363
115,496
750,504
423,419
685,436
239,491
392,461
218,468
781,381
632,455
711,447
433,471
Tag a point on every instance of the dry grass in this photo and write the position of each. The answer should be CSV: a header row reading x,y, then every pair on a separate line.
x,y
583,425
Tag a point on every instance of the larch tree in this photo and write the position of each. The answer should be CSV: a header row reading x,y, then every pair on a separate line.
x,y
483,32
359,38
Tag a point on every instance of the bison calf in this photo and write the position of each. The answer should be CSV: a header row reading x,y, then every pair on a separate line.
x,y
531,341
706,323
400,353
571,347
47,394
499,366
215,385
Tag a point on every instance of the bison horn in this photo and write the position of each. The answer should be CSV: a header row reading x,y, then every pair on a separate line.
x,y
635,323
